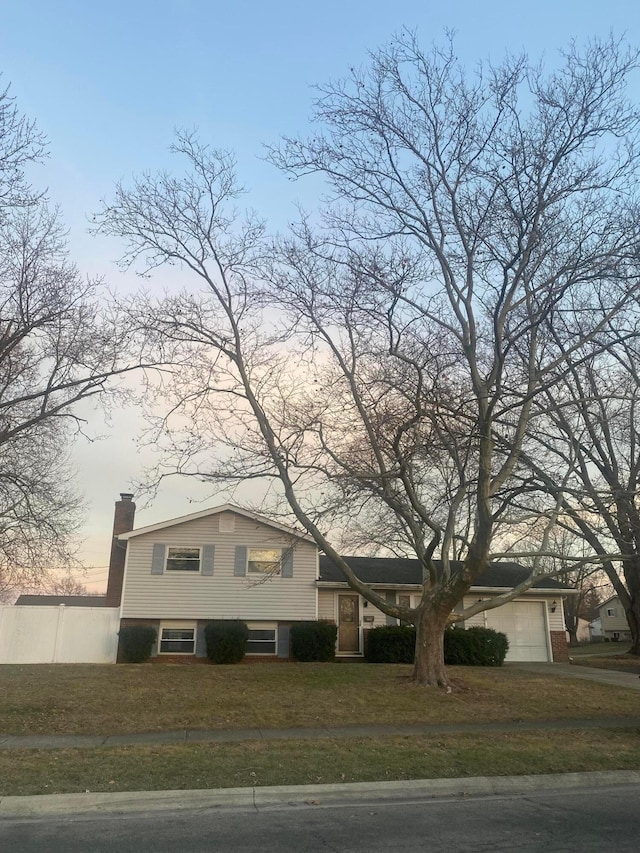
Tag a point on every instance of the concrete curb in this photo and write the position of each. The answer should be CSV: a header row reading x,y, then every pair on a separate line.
x,y
306,796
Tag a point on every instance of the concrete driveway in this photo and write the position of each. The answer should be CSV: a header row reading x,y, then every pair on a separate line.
x,y
567,670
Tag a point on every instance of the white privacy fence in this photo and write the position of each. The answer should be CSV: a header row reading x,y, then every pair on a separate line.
x,y
34,634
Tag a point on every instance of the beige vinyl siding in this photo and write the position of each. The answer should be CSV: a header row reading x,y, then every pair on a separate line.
x,y
327,608
379,618
614,623
326,605
555,621
187,595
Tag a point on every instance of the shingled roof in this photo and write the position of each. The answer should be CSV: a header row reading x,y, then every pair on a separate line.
x,y
67,600
400,570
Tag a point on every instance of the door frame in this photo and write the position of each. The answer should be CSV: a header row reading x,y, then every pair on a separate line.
x,y
359,652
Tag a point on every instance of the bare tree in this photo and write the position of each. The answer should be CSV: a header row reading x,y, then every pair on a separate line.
x,y
590,424
59,344
21,143
383,366
65,584
585,604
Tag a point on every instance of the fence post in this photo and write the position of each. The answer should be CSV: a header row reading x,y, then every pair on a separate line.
x,y
59,633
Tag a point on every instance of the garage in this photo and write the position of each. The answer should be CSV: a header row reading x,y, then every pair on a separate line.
x,y
525,625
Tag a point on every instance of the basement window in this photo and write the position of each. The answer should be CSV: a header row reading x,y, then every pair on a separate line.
x,y
177,640
261,641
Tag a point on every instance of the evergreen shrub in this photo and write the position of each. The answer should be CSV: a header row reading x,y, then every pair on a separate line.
x,y
226,640
313,641
472,647
391,644
136,642
475,647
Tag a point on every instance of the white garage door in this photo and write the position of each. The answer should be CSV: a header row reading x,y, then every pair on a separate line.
x,y
524,624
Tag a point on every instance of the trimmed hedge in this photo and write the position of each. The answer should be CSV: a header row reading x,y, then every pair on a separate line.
x,y
136,642
391,644
226,640
473,647
313,641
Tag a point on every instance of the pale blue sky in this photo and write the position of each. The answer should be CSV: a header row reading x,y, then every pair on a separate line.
x,y
109,82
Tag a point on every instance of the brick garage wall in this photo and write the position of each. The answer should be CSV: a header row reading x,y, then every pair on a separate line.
x,y
559,647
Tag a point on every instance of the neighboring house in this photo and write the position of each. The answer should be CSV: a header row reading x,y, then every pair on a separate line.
x,y
583,634
613,620
230,563
595,628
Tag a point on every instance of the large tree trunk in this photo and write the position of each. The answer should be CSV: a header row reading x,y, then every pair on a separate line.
x,y
631,569
633,618
429,669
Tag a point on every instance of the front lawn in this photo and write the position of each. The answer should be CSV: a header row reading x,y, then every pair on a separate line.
x,y
618,662
92,699
297,762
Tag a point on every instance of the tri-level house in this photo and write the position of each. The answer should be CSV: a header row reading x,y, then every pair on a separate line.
x,y
220,563
230,563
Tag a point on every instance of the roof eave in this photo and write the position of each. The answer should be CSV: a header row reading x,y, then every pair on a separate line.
x,y
211,511
474,589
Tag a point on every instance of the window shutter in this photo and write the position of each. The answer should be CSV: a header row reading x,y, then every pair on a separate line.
x,y
283,641
240,565
201,642
286,567
157,559
391,598
208,552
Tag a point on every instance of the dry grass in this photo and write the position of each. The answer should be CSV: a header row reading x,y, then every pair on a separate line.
x,y
603,649
88,699
303,762
619,663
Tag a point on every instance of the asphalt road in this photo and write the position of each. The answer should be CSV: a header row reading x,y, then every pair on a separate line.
x,y
554,821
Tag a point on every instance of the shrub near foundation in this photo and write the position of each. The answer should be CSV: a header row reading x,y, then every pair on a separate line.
x,y
313,641
391,644
226,640
473,647
136,642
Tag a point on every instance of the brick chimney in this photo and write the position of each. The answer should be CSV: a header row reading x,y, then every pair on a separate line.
x,y
123,518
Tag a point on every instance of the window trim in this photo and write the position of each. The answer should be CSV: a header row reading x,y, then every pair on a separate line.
x,y
266,626
271,574
169,548
612,612
177,626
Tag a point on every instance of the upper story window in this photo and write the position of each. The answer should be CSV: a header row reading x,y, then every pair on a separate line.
x,y
611,611
183,560
265,561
